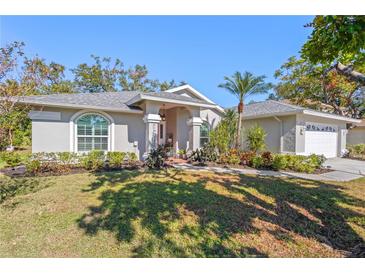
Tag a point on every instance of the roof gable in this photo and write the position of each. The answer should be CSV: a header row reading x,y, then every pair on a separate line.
x,y
193,93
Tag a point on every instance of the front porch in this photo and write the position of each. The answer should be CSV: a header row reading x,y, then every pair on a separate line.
x,y
174,126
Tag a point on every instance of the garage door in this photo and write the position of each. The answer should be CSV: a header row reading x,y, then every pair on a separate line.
x,y
321,139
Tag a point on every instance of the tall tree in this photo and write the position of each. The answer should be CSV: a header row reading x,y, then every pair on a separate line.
x,y
243,85
330,73
107,74
313,86
338,42
21,76
165,85
101,76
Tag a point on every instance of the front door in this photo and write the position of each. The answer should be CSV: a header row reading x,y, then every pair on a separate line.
x,y
162,133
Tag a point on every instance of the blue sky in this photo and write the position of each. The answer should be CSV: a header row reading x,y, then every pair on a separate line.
x,y
200,50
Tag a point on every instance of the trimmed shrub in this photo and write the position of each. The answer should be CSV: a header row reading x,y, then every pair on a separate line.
x,y
94,160
256,138
11,158
279,162
267,159
67,158
33,166
131,158
316,160
246,157
232,157
307,164
257,161
357,151
115,159
156,158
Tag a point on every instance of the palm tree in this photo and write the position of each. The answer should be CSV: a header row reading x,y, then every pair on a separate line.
x,y
243,85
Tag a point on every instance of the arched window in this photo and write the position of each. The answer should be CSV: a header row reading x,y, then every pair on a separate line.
x,y
92,132
204,133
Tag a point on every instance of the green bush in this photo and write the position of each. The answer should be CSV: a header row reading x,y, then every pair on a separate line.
x,y
279,162
131,158
33,166
267,159
357,151
256,138
223,135
156,158
232,157
115,159
246,157
11,158
67,158
307,164
316,160
257,161
207,153
94,160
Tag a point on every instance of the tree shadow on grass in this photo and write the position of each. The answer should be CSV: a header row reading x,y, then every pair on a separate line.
x,y
308,208
157,204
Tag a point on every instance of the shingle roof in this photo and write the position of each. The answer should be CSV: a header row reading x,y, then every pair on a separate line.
x,y
270,108
104,100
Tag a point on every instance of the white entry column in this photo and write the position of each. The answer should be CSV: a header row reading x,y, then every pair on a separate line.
x,y
152,121
194,137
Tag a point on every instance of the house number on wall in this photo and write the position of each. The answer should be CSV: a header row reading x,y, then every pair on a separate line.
x,y
319,127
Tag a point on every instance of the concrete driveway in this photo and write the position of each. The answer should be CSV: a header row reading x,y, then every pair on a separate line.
x,y
346,165
344,169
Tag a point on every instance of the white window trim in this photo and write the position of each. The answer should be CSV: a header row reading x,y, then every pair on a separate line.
x,y
209,129
73,128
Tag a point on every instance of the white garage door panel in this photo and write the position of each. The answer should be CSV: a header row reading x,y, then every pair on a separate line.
x,y
319,142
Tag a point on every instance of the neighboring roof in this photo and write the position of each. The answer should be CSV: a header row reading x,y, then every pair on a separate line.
x,y
113,101
276,108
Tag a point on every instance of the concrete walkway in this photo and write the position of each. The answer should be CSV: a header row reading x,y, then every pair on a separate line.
x,y
338,176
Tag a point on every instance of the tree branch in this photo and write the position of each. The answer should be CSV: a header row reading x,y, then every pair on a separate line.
x,y
350,72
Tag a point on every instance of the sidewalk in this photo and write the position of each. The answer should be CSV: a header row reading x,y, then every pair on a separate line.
x,y
339,176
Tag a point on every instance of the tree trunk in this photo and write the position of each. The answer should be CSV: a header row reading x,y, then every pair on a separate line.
x,y
239,125
350,72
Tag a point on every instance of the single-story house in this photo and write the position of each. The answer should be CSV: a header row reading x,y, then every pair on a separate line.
x,y
299,130
356,134
128,121
133,121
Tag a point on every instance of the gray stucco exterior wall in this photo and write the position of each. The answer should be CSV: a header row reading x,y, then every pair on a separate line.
x,y
54,136
128,132
213,117
50,136
293,132
356,136
273,128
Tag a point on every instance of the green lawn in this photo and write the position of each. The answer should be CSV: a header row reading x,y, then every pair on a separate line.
x,y
178,214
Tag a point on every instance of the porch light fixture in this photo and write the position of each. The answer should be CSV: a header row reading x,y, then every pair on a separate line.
x,y
163,114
